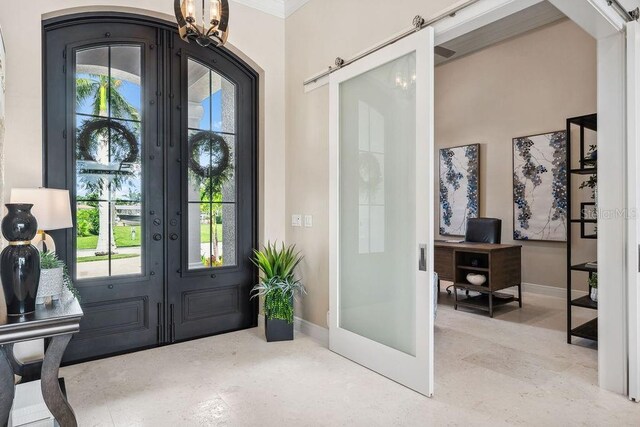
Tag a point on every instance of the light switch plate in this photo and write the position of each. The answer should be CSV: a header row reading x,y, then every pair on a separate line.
x,y
308,221
296,220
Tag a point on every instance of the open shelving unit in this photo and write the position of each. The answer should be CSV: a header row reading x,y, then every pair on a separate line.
x,y
588,230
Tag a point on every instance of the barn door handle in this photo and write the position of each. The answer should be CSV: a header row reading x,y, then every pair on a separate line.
x,y
422,263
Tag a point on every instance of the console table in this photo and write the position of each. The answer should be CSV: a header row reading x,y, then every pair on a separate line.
x,y
59,322
501,264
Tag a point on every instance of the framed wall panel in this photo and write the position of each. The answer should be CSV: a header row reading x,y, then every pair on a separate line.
x,y
540,187
459,188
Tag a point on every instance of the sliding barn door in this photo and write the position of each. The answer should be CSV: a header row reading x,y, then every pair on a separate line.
x,y
382,219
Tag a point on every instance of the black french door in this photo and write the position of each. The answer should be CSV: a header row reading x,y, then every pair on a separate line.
x,y
156,140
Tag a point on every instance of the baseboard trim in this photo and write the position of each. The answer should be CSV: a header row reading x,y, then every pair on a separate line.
x,y
313,331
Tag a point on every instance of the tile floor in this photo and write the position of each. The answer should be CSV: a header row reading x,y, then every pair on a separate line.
x,y
515,369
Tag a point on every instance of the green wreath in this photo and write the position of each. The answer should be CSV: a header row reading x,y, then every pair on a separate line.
x,y
126,140
219,168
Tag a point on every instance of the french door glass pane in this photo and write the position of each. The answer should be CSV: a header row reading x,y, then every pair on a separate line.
x,y
377,281
109,171
211,178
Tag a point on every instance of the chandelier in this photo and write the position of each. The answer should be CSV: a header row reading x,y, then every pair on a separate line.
x,y
404,73
207,25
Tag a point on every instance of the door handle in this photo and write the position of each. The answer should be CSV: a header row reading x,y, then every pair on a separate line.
x,y
422,262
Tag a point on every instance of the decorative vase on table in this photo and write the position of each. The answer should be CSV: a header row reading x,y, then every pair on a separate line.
x,y
20,260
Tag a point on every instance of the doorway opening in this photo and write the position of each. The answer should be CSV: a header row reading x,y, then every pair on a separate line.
x,y
506,89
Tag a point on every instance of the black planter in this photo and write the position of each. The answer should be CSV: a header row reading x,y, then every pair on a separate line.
x,y
20,261
278,330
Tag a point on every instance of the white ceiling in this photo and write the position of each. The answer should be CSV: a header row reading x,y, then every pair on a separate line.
x,y
279,8
536,16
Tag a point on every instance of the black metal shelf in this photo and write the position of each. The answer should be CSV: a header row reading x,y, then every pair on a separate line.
x,y
587,330
586,165
585,302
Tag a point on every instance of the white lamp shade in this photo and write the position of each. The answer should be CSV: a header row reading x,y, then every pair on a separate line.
x,y
51,207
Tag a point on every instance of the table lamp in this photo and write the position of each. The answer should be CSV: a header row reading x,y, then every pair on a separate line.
x,y
52,209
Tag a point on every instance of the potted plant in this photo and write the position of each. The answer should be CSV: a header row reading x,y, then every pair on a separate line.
x,y
593,287
278,287
54,278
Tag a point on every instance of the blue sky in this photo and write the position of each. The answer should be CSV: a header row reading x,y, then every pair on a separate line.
x,y
216,103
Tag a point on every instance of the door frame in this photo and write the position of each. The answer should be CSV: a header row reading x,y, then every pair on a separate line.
x,y
633,196
394,364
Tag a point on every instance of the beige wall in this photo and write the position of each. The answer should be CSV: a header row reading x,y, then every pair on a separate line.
x,y
524,86
22,27
322,30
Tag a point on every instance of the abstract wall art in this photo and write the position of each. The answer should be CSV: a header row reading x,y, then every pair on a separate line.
x,y
459,188
540,187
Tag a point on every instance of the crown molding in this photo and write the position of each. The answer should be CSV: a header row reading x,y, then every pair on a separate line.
x,y
291,6
279,8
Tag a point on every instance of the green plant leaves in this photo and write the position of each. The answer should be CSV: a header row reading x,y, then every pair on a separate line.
x,y
278,284
50,260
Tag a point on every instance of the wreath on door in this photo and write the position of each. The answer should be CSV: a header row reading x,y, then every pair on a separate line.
x,y
122,141
370,172
217,166
124,152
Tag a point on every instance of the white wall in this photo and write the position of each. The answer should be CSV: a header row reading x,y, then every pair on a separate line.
x,y
22,27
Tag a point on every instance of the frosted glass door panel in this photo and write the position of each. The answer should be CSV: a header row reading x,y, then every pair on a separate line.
x,y
377,204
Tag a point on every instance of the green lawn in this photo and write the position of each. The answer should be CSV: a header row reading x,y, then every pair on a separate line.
x,y
205,235
123,237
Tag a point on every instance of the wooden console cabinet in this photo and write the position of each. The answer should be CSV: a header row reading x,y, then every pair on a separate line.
x,y
501,264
